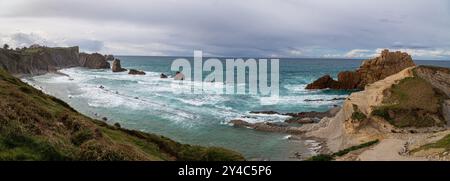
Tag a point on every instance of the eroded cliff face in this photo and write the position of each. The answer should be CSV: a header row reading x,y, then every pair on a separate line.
x,y
35,61
370,71
40,60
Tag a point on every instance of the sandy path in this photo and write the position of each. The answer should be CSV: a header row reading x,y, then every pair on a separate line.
x,y
387,150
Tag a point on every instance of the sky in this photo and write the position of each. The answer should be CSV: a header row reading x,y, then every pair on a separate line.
x,y
233,28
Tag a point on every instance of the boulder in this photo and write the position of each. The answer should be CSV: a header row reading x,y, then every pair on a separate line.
x,y
93,61
370,71
116,67
136,72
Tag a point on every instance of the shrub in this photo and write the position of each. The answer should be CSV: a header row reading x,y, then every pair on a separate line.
x,y
327,157
358,115
321,157
353,148
82,136
382,112
15,146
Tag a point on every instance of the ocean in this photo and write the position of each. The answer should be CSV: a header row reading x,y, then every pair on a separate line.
x,y
148,103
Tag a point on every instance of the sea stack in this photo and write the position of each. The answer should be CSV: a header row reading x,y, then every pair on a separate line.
x,y
116,67
370,71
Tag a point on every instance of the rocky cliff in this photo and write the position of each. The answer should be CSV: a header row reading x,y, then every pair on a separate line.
x,y
93,61
38,60
370,71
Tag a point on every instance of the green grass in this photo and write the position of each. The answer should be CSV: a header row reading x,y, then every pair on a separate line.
x,y
353,148
442,143
321,157
358,116
330,157
21,147
36,126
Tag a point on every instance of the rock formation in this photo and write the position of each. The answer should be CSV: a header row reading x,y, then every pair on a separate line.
x,y
116,67
369,72
93,61
136,72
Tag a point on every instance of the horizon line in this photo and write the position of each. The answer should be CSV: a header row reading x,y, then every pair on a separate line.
x,y
257,57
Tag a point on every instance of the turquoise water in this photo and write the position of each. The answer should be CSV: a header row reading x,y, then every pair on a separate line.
x,y
151,104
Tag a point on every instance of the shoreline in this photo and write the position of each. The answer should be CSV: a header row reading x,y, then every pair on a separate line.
x,y
110,119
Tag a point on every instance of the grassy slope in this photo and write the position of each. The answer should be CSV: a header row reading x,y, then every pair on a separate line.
x,y
442,143
412,103
36,126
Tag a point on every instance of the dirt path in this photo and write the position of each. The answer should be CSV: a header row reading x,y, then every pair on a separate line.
x,y
387,150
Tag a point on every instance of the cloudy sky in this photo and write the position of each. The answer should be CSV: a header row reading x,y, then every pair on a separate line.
x,y
262,28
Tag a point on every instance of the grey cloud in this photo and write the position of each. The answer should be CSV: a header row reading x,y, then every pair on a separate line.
x,y
86,45
24,39
244,28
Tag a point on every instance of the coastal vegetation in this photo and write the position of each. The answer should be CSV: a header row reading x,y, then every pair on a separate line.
x,y
443,143
36,126
357,114
411,103
330,157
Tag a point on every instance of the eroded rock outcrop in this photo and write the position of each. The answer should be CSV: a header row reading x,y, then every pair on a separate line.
x,y
93,61
116,67
372,70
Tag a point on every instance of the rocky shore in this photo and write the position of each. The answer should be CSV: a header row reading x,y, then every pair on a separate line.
x,y
402,108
